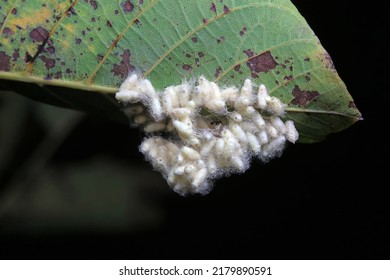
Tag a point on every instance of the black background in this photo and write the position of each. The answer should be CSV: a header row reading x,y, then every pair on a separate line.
x,y
321,201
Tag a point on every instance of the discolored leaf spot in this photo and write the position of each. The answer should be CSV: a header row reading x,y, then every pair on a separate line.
x,y
8,32
249,52
138,22
243,31
303,97
352,105
328,62
50,50
217,72
78,41
39,34
71,12
220,39
4,62
261,63
28,57
187,67
127,6
194,39
237,67
201,54
213,8
124,67
49,62
197,61
94,4
226,9
15,55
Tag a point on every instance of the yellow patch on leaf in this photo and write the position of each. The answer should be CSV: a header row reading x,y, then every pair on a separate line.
x,y
37,18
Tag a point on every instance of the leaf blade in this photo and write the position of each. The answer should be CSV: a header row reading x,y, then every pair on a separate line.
x,y
93,45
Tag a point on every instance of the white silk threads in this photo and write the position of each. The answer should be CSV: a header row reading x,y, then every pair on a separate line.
x,y
197,132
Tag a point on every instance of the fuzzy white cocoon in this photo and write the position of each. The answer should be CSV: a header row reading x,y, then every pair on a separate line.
x,y
198,132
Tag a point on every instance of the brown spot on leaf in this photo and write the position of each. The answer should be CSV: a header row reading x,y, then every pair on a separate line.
x,y
249,52
303,97
188,55
49,62
57,75
4,62
14,11
237,67
327,61
352,105
291,68
138,22
194,39
39,34
28,57
140,2
51,50
127,6
307,59
213,8
8,32
109,23
15,55
204,20
94,4
307,78
99,57
71,12
226,9
220,39
187,67
124,67
197,62
217,71
261,63
288,78
243,31
201,54
116,12
78,41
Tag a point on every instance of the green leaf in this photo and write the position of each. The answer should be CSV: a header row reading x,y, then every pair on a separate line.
x,y
77,53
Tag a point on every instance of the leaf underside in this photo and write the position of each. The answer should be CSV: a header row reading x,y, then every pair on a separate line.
x,y
77,53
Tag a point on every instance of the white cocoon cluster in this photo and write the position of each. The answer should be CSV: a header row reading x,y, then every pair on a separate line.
x,y
199,131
